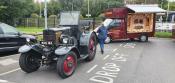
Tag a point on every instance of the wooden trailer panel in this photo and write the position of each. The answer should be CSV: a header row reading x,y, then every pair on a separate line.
x,y
140,22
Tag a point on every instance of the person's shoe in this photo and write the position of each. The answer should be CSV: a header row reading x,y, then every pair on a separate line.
x,y
102,52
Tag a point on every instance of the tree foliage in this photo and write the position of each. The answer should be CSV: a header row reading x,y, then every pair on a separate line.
x,y
98,6
10,10
53,7
164,5
69,5
15,9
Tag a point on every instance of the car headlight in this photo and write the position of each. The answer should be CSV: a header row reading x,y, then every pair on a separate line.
x,y
28,39
65,40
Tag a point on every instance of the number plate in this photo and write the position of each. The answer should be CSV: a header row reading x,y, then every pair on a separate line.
x,y
46,43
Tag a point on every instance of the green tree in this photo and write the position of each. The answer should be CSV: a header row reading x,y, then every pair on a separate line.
x,y
164,5
98,6
172,6
69,5
2,7
15,9
54,8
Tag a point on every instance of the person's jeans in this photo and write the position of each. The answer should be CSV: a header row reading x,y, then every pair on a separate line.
x,y
101,42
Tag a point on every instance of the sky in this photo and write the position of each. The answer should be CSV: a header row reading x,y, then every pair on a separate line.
x,y
49,0
40,0
171,0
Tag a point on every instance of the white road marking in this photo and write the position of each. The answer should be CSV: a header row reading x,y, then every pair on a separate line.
x,y
91,68
121,44
117,54
106,57
3,81
7,62
129,45
123,55
10,71
115,50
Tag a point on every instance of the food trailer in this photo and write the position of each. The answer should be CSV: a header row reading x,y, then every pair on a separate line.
x,y
131,21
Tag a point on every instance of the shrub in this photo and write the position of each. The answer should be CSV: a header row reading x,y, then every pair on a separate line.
x,y
34,15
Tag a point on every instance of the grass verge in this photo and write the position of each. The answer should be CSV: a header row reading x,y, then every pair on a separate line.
x,y
30,30
163,34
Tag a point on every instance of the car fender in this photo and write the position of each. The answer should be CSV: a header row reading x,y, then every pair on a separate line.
x,y
64,50
85,37
24,48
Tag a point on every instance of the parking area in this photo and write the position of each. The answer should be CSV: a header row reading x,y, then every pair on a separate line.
x,y
122,62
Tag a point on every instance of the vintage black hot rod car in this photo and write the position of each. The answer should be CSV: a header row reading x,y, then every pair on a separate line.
x,y
64,45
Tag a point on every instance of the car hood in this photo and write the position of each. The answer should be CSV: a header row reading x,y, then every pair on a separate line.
x,y
28,36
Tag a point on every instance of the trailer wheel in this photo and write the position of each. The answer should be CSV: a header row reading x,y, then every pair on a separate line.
x,y
143,38
29,62
92,48
66,64
108,40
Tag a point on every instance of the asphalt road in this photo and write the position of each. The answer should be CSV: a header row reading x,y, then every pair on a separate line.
x,y
123,62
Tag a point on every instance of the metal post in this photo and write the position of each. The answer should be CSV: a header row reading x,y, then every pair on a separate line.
x,y
40,8
45,13
168,11
72,5
88,8
161,3
132,2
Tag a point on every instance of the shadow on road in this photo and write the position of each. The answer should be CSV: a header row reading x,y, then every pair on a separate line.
x,y
126,41
8,53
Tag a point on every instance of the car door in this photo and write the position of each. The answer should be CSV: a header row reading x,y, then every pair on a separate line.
x,y
117,30
3,41
11,37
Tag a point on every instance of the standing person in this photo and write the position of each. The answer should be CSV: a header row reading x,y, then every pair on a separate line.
x,y
102,36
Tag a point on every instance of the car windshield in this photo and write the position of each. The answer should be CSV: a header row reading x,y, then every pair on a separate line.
x,y
69,18
112,22
7,29
107,22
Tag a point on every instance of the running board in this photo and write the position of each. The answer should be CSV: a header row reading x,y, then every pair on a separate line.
x,y
82,57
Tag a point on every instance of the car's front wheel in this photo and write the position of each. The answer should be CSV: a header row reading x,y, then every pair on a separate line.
x,y
66,64
29,62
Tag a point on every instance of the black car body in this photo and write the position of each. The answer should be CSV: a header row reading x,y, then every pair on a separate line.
x,y
11,39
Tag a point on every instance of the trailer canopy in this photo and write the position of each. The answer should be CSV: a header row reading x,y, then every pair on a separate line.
x,y
146,8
